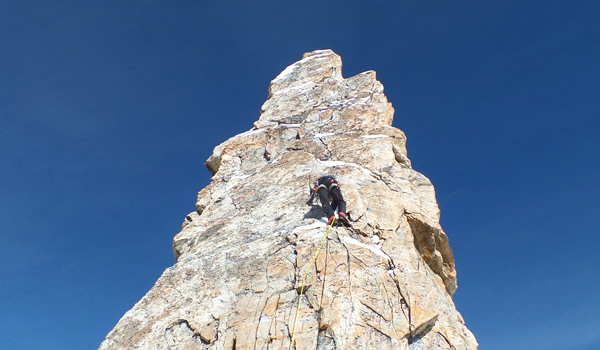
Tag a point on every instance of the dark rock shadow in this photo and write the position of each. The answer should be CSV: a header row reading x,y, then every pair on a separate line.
x,y
315,212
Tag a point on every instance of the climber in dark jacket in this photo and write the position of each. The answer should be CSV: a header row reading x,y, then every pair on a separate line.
x,y
328,190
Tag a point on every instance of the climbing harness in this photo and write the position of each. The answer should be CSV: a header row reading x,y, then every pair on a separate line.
x,y
303,279
328,188
333,183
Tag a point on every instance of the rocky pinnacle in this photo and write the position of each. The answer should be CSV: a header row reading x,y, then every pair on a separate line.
x,y
385,283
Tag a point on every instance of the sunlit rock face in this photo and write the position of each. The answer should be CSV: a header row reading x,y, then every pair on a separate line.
x,y
385,283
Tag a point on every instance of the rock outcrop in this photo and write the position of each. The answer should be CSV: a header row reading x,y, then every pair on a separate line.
x,y
385,283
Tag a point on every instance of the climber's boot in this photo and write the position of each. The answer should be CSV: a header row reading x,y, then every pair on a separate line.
x,y
343,219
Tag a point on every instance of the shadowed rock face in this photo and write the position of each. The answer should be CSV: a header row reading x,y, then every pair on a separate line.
x,y
386,283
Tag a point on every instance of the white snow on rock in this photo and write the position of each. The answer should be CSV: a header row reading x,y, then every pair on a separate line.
x,y
316,224
248,133
374,136
374,249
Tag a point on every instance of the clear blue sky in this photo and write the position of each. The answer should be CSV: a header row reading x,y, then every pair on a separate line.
x,y
108,110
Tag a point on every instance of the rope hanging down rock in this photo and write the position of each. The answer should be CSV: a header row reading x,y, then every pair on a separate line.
x,y
304,278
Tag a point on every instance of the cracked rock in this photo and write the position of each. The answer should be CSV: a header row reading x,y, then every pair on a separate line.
x,y
385,283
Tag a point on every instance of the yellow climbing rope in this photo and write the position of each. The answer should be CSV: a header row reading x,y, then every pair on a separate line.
x,y
304,278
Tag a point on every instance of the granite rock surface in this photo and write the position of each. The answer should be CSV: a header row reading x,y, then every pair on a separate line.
x,y
385,283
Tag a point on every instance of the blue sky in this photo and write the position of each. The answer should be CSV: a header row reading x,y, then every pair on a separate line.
x,y
109,109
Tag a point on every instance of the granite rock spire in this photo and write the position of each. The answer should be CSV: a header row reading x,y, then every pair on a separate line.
x,y
385,283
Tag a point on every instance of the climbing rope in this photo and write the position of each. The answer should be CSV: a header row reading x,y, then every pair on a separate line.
x,y
304,278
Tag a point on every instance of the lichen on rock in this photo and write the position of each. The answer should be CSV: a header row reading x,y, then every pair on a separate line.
x,y
384,283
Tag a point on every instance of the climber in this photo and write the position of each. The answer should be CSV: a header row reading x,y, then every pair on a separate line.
x,y
328,190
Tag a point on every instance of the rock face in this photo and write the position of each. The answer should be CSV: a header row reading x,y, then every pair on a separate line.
x,y
385,283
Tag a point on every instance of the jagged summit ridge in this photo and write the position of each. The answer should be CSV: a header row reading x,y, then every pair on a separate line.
x,y
314,85
384,284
